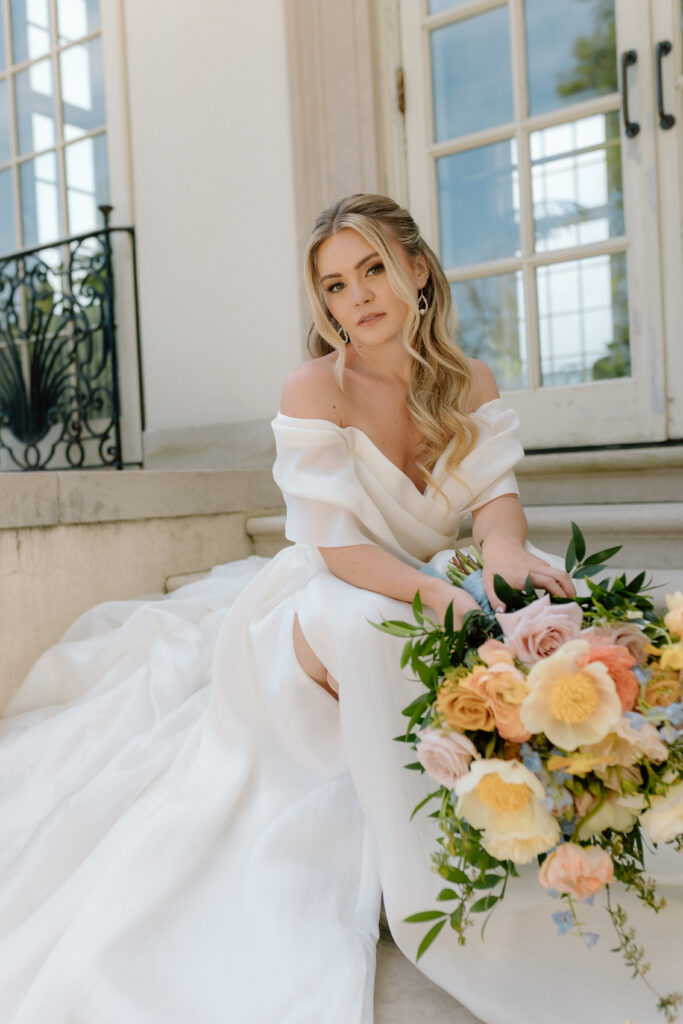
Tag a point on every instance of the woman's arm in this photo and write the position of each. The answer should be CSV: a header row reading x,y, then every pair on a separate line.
x,y
371,568
500,530
500,527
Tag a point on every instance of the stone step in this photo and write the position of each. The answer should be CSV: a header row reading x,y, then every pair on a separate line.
x,y
651,536
404,995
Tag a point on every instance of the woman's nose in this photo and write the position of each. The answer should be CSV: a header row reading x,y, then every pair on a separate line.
x,y
362,293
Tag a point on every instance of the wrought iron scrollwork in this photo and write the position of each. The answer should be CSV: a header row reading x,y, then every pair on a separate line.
x,y
59,396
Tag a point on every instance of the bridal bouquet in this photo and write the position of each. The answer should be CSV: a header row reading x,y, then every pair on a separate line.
x,y
554,734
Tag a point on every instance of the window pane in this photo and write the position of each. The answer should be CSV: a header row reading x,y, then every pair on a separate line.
x,y
30,29
491,325
82,88
436,6
40,210
479,204
87,183
576,182
3,39
571,51
5,143
465,100
35,107
583,320
8,241
77,18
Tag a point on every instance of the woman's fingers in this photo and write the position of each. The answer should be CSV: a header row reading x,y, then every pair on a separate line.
x,y
544,577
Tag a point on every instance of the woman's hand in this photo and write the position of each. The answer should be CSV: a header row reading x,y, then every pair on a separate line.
x,y
509,559
439,594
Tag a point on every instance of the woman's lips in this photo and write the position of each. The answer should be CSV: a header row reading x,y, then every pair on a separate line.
x,y
371,319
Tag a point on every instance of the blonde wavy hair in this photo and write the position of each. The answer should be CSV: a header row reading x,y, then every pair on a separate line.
x,y
440,377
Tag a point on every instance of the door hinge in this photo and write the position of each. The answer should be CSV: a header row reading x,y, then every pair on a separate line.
x,y
400,90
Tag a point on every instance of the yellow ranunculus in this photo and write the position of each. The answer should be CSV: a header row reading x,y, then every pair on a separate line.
x,y
576,764
672,657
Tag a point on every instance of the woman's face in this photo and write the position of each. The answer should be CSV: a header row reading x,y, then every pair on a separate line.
x,y
357,289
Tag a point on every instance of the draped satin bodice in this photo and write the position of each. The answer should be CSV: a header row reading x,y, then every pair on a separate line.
x,y
340,489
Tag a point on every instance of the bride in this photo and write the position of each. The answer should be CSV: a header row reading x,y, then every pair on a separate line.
x,y
201,797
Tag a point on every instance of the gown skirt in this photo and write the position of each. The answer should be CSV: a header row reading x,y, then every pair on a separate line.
x,y
191,830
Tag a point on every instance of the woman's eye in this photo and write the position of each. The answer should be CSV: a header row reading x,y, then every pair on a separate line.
x,y
335,287
376,268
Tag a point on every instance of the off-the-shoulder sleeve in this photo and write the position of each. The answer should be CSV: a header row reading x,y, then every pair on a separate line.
x,y
488,469
326,504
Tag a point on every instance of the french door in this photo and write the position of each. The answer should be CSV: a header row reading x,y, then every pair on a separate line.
x,y
545,157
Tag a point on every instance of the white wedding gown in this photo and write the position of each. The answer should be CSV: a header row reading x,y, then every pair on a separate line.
x,y
193,832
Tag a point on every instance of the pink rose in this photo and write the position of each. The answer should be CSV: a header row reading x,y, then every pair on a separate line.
x,y
445,756
625,634
538,629
579,871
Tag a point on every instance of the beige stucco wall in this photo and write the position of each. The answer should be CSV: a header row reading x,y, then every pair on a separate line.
x,y
213,208
69,541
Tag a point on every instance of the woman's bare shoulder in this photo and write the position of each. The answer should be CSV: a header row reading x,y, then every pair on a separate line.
x,y
484,387
311,391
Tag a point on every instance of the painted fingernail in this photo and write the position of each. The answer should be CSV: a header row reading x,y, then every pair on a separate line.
x,y
499,608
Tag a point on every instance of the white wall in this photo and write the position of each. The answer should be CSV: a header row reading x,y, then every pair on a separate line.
x,y
214,208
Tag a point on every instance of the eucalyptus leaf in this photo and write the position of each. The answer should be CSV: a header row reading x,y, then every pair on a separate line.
x,y
454,875
417,608
484,904
424,915
429,938
488,881
448,894
604,556
570,558
579,542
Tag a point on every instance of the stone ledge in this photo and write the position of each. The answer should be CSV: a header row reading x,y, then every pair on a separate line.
x,y
53,499
607,476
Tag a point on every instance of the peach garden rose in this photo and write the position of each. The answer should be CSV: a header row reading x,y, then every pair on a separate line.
x,y
504,688
463,709
619,661
578,871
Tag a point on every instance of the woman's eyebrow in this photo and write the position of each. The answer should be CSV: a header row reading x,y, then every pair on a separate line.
x,y
370,256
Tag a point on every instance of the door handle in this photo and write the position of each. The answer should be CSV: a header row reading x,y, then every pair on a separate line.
x,y
666,121
628,58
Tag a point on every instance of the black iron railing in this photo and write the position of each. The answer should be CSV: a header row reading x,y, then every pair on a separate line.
x,y
59,383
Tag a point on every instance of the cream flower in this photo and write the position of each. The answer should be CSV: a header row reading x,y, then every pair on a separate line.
x,y
572,702
522,849
663,820
614,813
673,620
625,744
502,797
